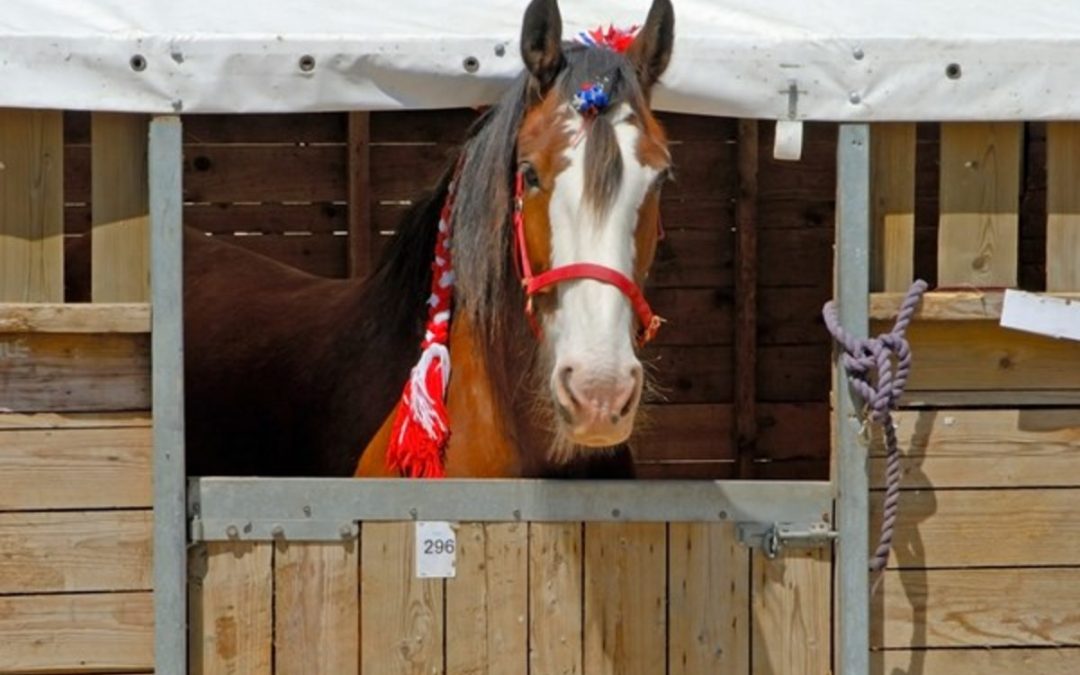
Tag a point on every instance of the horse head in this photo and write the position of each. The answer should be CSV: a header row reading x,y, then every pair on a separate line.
x,y
591,161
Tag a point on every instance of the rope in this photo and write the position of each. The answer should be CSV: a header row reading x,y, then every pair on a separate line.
x,y
869,366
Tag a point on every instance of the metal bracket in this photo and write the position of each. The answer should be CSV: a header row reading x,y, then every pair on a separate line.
x,y
773,538
308,529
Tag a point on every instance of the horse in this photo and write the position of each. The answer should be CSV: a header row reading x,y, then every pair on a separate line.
x,y
289,374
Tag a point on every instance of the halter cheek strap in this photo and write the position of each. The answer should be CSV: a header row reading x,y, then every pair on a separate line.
x,y
539,283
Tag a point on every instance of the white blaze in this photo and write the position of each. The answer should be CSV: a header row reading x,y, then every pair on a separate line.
x,y
594,322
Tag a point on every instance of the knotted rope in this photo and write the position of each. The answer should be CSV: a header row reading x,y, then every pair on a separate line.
x,y
869,366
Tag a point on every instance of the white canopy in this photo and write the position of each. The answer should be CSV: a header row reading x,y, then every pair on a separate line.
x,y
843,59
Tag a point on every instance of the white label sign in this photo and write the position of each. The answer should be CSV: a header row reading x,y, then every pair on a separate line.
x,y
436,550
1042,314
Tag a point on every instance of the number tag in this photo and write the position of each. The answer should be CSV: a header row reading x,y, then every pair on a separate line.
x,y
436,550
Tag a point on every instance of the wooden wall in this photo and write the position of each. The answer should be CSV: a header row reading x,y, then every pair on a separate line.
x,y
280,185
984,577
75,436
570,598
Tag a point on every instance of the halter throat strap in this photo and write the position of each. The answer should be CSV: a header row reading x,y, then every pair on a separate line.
x,y
539,283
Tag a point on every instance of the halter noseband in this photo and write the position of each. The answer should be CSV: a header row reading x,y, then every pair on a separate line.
x,y
540,283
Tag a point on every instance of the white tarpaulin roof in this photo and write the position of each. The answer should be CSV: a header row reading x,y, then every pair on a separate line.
x,y
846,59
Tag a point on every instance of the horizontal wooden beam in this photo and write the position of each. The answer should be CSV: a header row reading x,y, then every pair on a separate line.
x,y
1049,661
948,306
75,318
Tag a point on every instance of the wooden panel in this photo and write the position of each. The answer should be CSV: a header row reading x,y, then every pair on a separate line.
x,y
75,551
66,372
1063,206
980,199
979,607
65,468
401,616
709,603
947,306
316,622
120,201
31,206
323,255
790,602
229,128
72,633
980,355
75,318
555,598
421,126
360,201
625,594
487,603
20,421
230,592
702,431
986,448
981,661
1030,527
227,218
892,186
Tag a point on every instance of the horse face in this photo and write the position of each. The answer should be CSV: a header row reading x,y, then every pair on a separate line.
x,y
592,195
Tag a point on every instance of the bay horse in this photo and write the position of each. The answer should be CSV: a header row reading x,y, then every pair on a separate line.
x,y
292,374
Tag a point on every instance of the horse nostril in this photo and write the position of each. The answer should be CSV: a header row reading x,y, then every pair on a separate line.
x,y
564,382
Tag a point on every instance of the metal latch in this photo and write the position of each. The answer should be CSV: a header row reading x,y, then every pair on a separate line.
x,y
773,538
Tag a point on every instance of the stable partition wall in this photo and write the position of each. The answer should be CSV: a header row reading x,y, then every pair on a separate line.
x,y
991,419
75,425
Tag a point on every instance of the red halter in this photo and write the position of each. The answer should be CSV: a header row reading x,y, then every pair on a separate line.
x,y
539,283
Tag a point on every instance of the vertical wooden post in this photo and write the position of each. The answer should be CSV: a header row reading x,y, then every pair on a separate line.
x,y
892,199
316,625
401,616
360,235
746,264
978,235
120,204
31,206
1063,206
790,608
555,602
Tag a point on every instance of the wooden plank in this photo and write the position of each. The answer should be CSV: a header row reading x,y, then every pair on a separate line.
x,y
75,551
625,598
556,566
947,306
324,255
120,198
230,595
985,448
980,355
981,661
401,616
75,318
421,126
227,218
360,202
744,433
41,372
979,608
229,128
980,199
316,622
31,206
1062,206
84,632
709,603
1030,527
487,602
892,190
19,421
107,467
702,431
790,610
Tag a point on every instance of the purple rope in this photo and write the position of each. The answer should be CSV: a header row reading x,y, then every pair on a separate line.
x,y
862,360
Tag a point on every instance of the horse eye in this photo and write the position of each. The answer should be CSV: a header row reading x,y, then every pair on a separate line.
x,y
531,178
665,176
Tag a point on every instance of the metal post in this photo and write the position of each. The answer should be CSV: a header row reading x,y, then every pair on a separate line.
x,y
166,276
853,507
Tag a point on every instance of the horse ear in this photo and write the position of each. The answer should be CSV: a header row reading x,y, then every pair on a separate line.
x,y
651,50
541,37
